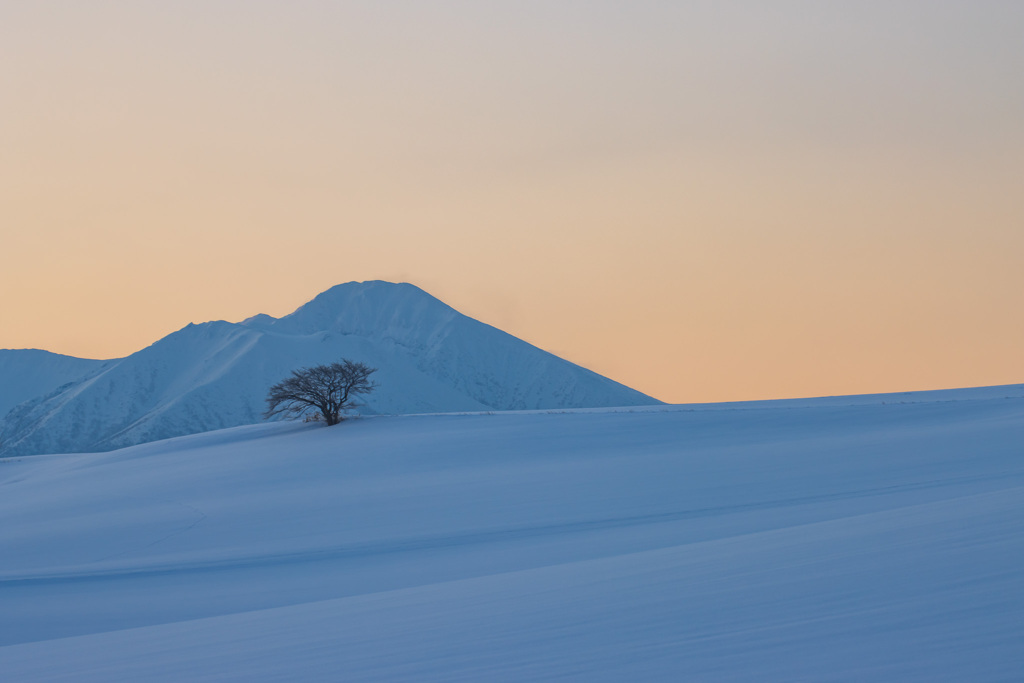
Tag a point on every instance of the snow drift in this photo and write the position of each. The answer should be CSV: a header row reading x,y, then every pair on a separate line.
x,y
844,539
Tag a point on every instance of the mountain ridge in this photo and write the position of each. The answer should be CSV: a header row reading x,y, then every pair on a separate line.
x,y
27,373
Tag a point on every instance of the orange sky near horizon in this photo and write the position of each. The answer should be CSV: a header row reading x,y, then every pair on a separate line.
x,y
706,201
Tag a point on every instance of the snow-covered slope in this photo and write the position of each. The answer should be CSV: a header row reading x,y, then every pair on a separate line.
x,y
27,373
845,539
430,358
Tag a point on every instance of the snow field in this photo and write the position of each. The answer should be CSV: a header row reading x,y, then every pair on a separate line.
x,y
845,540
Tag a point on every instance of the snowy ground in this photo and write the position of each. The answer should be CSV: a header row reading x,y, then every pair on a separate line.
x,y
848,539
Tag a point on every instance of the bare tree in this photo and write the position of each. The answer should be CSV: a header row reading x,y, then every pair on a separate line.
x,y
329,389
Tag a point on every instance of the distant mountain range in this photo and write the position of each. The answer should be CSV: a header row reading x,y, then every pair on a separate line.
x,y
430,358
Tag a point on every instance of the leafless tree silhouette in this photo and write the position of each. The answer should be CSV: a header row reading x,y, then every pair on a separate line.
x,y
324,390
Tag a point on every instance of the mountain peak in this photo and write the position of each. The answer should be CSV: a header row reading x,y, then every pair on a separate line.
x,y
372,308
379,292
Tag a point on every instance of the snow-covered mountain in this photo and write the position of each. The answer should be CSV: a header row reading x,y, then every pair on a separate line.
x,y
430,358
27,373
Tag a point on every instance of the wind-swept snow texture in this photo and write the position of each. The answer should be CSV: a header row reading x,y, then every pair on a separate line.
x,y
846,539
430,358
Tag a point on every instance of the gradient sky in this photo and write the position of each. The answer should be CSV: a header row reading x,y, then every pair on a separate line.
x,y
704,200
